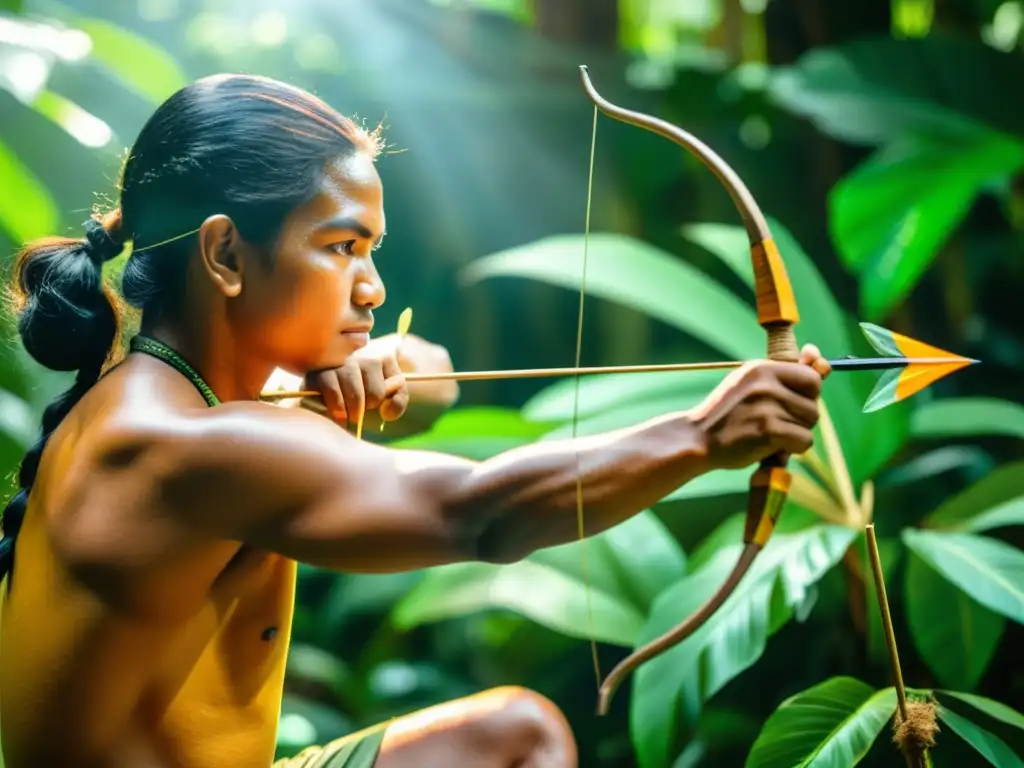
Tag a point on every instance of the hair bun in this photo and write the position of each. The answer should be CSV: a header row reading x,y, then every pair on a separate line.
x,y
101,243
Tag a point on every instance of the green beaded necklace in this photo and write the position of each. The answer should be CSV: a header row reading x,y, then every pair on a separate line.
x,y
161,351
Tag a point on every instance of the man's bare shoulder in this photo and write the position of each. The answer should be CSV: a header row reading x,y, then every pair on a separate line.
x,y
142,452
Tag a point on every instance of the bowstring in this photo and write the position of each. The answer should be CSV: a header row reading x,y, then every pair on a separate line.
x,y
580,529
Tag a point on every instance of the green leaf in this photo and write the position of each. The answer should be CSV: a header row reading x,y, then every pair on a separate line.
x,y
655,283
986,744
893,213
718,483
831,725
990,571
874,90
84,127
476,433
27,209
670,690
955,636
626,567
139,63
968,417
628,414
990,707
994,501
602,393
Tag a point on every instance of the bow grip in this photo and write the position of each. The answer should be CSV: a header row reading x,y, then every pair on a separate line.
x,y
777,313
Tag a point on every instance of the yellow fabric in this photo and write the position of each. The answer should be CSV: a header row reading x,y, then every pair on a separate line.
x,y
224,706
228,709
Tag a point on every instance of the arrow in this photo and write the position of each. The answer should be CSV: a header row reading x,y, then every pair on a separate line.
x,y
910,366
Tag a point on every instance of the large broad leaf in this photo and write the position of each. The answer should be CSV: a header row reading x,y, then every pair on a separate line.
x,y
630,413
988,570
719,483
874,90
670,690
994,709
968,417
868,441
944,101
985,743
475,433
27,209
602,393
140,64
655,283
955,635
893,213
995,501
626,567
831,725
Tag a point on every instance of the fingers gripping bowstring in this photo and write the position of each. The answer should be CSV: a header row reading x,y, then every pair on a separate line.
x,y
580,528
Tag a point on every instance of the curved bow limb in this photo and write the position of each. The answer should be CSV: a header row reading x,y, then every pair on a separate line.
x,y
777,314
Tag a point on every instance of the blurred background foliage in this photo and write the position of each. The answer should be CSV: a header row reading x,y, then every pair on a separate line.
x,y
884,139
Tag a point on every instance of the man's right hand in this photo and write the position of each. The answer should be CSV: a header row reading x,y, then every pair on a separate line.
x,y
761,409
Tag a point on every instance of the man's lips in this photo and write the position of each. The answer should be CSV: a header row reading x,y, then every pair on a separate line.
x,y
360,335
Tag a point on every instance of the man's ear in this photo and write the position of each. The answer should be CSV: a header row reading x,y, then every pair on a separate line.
x,y
221,254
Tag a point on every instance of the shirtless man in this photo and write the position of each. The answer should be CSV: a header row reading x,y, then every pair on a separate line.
x,y
150,555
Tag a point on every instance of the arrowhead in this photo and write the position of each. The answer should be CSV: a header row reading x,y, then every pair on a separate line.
x,y
901,383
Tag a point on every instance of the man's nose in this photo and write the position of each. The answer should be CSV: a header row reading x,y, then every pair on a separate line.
x,y
369,291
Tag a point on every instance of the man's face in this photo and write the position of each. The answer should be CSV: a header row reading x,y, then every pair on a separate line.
x,y
314,306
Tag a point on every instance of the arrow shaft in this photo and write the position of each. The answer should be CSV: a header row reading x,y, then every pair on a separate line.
x,y
842,364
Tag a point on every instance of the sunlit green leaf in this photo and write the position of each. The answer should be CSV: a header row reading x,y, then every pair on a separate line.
x,y
995,501
988,570
890,216
968,417
717,483
139,63
630,413
955,635
669,691
27,209
985,743
831,725
475,432
626,566
602,393
83,126
656,284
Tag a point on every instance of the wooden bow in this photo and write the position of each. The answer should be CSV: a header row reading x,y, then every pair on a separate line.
x,y
777,314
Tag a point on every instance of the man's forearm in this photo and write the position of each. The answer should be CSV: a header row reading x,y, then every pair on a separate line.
x,y
526,499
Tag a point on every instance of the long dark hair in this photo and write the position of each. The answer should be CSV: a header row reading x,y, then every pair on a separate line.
x,y
251,148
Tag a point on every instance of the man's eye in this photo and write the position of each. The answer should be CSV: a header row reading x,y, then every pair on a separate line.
x,y
346,248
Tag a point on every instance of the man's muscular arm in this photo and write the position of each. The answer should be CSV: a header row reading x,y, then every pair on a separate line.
x,y
297,484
